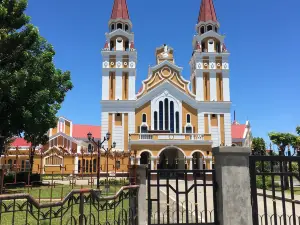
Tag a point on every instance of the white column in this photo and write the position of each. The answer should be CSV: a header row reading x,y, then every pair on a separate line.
x,y
131,81
227,129
200,123
105,84
76,165
199,85
119,84
226,86
201,163
213,86
219,128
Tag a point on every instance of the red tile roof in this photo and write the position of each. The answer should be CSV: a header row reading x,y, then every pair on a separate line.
x,y
237,131
81,131
120,10
207,11
20,142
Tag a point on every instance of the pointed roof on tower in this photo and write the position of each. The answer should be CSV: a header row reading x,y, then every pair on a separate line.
x,y
120,10
207,12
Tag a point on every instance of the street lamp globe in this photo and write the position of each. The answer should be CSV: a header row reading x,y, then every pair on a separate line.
x,y
89,135
107,136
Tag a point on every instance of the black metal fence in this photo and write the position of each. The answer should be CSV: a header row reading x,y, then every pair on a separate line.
x,y
83,207
275,188
181,197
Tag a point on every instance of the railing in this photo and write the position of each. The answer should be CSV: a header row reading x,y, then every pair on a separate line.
x,y
85,206
146,136
180,197
275,183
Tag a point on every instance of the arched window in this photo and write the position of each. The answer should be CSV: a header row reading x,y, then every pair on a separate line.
x,y
188,118
144,119
83,166
202,30
209,27
172,116
166,114
10,162
155,120
90,148
112,27
119,26
177,122
216,29
94,165
126,27
79,166
161,115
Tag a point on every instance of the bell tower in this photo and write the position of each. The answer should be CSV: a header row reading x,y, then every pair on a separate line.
x,y
210,75
118,74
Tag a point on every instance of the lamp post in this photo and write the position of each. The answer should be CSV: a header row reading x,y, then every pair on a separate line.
x,y
107,152
99,145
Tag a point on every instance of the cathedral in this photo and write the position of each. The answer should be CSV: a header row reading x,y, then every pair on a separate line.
x,y
170,122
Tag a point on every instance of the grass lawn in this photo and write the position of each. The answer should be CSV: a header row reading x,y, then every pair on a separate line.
x,y
296,191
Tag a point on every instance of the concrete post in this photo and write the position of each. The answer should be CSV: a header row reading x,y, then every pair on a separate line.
x,y
142,195
233,179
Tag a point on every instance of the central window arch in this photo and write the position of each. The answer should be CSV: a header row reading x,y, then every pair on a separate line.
x,y
165,108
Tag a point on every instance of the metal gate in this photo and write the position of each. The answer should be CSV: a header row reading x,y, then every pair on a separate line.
x,y
275,189
188,198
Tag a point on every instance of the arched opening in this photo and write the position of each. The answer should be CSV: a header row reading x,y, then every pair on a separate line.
x,y
216,29
146,159
209,27
112,27
119,26
171,158
144,119
202,30
126,27
198,161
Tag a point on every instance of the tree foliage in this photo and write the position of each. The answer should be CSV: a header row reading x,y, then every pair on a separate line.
x,y
282,140
259,145
32,89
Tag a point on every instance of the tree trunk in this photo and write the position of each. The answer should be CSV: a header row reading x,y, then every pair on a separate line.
x,y
31,156
285,178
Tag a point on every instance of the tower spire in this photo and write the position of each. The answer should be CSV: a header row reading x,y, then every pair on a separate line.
x,y
207,12
120,10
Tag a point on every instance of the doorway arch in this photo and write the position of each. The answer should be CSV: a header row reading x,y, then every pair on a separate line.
x,y
145,159
171,158
198,160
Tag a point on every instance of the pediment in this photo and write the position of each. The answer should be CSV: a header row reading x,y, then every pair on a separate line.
x,y
165,71
167,86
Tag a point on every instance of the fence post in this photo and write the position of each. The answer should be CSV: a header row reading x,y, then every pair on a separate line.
x,y
141,202
233,180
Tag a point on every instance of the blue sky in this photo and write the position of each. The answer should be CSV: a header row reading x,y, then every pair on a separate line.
x,y
262,37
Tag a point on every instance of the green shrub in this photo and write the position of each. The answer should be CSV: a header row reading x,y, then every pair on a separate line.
x,y
268,183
